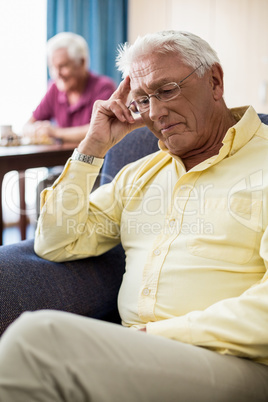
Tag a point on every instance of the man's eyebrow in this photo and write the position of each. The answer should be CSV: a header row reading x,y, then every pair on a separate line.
x,y
138,92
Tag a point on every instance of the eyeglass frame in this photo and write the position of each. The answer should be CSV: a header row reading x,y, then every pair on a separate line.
x,y
156,94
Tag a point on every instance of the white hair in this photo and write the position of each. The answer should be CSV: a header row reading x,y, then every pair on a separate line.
x,y
192,49
75,45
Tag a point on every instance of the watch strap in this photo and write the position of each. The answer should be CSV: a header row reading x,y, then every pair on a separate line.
x,y
78,156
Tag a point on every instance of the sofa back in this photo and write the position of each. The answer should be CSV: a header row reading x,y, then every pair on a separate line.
x,y
135,145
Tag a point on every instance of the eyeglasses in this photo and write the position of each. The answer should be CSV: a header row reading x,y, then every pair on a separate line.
x,y
165,93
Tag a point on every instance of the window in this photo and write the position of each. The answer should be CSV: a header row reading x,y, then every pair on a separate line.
x,y
23,82
23,77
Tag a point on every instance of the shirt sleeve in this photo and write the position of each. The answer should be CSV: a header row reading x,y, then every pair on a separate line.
x,y
107,91
235,326
44,110
75,223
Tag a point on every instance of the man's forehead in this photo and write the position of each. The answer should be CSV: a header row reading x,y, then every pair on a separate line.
x,y
153,69
142,67
59,55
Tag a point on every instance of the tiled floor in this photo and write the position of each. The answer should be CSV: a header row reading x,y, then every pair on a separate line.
x,y
12,234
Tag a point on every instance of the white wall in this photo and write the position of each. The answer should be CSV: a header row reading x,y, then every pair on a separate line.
x,y
236,29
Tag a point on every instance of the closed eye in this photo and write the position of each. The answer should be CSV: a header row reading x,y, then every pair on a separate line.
x,y
143,101
167,92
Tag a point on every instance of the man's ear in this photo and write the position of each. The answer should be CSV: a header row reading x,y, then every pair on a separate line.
x,y
216,80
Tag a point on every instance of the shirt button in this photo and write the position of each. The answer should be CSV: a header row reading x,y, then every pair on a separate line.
x,y
172,223
157,251
146,292
71,176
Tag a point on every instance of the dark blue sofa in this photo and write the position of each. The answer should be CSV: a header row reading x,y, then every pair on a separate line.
x,y
28,282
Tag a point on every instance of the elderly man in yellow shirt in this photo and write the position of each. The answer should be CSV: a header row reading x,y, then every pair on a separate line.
x,y
192,219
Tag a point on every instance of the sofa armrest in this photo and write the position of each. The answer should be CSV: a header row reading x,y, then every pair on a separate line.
x,y
87,287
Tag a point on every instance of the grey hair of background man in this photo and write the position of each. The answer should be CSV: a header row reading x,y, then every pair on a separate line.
x,y
75,45
192,49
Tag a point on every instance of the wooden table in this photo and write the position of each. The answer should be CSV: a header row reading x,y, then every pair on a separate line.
x,y
25,157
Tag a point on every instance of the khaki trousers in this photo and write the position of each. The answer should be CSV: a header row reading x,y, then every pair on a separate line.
x,y
54,356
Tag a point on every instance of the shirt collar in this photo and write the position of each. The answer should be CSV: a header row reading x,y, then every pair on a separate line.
x,y
248,123
62,97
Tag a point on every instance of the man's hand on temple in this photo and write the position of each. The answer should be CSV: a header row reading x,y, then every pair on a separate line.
x,y
111,122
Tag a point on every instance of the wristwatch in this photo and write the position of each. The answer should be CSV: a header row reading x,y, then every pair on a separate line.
x,y
82,157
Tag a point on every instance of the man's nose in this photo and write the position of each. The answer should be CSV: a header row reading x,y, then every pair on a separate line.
x,y
157,109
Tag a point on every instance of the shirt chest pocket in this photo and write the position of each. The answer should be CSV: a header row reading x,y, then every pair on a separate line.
x,y
235,228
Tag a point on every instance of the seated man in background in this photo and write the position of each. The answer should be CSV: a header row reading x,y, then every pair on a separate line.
x,y
193,221
70,97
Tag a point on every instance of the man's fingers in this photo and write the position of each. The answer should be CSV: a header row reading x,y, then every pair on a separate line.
x,y
116,105
122,91
121,111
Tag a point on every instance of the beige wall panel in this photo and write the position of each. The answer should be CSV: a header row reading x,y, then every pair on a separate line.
x,y
191,15
146,16
242,45
230,42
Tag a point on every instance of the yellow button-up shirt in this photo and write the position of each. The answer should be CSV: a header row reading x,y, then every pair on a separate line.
x,y
196,242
